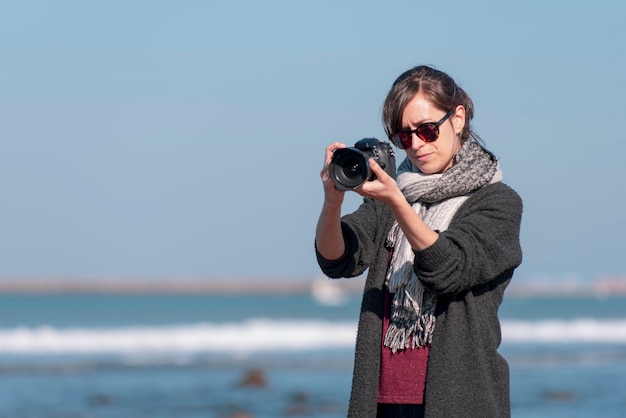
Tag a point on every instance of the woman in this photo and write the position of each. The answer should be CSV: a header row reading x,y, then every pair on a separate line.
x,y
441,244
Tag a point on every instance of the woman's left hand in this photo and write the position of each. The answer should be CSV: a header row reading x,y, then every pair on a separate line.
x,y
383,188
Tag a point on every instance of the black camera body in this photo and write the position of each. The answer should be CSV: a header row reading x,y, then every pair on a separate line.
x,y
349,167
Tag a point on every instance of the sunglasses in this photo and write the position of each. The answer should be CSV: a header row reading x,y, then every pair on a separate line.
x,y
427,132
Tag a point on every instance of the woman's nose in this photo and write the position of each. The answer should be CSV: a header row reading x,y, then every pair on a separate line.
x,y
416,141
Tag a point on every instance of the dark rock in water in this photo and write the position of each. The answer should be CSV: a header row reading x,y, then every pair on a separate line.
x,y
297,411
254,378
100,399
240,414
298,406
562,395
301,405
299,397
233,411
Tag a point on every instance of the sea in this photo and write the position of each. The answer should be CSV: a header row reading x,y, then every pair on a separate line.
x,y
114,355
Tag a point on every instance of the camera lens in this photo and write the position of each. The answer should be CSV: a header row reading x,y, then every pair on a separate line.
x,y
349,168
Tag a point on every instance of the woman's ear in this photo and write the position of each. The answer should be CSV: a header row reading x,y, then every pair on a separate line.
x,y
458,120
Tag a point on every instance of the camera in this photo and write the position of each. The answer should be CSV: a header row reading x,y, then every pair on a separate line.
x,y
349,167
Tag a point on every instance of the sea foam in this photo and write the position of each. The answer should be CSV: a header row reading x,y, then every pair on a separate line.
x,y
252,335
267,335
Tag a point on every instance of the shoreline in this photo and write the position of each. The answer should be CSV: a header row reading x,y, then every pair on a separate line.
x,y
218,286
601,287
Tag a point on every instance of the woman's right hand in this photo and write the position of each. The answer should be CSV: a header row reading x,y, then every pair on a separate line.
x,y
332,196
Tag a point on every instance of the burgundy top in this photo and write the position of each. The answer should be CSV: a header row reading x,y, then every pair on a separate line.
x,y
403,373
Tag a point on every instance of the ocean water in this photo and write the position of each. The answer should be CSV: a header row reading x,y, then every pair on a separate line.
x,y
261,356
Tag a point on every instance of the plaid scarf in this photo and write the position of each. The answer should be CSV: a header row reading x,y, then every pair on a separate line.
x,y
435,198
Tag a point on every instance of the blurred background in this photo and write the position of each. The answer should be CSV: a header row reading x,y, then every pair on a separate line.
x,y
159,174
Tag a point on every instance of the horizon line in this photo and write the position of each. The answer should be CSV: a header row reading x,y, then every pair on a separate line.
x,y
601,286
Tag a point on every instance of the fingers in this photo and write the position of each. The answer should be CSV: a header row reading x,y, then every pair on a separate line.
x,y
329,156
382,187
377,169
333,196
331,149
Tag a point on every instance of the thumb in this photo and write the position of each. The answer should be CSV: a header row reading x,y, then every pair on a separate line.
x,y
375,167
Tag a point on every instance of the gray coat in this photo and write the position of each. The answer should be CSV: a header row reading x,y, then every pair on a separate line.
x,y
468,267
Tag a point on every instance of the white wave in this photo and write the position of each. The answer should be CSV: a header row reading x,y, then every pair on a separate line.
x,y
267,335
565,331
253,335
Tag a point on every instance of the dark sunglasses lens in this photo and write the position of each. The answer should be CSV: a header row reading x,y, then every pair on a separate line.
x,y
402,140
428,132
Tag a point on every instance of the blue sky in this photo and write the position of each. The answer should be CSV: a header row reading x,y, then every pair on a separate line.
x,y
185,138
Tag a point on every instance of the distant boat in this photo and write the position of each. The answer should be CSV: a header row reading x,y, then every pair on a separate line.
x,y
326,292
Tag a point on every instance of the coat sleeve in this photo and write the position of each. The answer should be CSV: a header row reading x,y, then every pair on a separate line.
x,y
481,243
364,231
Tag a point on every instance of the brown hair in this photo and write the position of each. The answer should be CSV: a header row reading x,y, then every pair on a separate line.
x,y
437,86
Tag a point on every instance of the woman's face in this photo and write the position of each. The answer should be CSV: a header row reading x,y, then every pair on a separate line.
x,y
438,156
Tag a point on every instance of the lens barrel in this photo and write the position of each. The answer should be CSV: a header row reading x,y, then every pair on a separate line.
x,y
349,168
